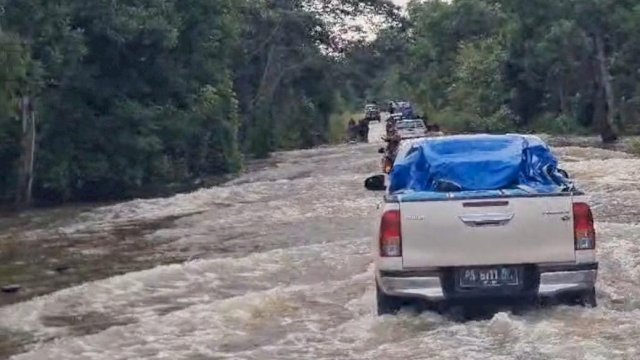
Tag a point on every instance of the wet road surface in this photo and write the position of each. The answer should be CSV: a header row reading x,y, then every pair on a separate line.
x,y
280,269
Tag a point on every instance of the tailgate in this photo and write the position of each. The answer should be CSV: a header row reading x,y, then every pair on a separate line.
x,y
487,232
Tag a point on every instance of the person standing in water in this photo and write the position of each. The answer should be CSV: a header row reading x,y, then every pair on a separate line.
x,y
352,130
363,127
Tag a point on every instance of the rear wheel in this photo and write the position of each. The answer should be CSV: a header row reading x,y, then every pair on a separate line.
x,y
588,298
387,305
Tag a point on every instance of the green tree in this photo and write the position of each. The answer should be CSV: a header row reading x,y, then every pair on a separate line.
x,y
561,65
478,92
137,94
14,66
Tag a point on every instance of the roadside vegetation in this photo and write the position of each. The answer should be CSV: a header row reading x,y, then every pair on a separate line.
x,y
563,67
135,95
635,147
130,95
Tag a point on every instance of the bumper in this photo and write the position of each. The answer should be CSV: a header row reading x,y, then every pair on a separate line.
x,y
559,282
549,282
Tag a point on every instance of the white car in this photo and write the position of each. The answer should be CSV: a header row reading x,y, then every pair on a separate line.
x,y
411,128
444,250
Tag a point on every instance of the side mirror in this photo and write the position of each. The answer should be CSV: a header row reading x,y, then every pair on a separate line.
x,y
381,150
563,173
375,183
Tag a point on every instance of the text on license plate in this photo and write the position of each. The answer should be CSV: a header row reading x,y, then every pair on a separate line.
x,y
498,276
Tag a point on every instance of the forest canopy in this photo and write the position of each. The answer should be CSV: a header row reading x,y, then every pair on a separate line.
x,y
511,65
132,94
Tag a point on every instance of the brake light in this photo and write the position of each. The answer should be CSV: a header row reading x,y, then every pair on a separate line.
x,y
390,236
583,228
387,166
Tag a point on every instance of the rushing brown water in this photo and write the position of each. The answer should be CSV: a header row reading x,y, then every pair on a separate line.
x,y
281,269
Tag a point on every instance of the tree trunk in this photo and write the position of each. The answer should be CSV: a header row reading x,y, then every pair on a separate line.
x,y
565,107
606,124
27,157
266,78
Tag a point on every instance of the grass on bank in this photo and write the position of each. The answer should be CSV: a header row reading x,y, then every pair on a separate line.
x,y
504,121
635,147
338,126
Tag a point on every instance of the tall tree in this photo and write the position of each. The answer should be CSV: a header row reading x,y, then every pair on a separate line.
x,y
136,94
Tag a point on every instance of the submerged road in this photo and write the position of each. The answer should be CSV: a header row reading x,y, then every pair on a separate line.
x,y
280,269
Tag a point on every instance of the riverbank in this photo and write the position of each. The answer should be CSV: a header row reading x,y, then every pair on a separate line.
x,y
51,258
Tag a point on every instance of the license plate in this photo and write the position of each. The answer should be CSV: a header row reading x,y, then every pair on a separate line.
x,y
488,277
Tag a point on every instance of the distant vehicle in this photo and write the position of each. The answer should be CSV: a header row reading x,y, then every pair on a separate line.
x,y
395,117
406,109
402,109
411,128
443,246
372,113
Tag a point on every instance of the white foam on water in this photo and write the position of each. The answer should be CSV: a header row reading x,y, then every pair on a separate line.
x,y
307,292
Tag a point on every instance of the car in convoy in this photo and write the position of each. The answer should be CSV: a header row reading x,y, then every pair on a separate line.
x,y
405,108
394,118
468,229
372,113
411,128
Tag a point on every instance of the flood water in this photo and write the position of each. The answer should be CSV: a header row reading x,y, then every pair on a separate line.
x,y
279,268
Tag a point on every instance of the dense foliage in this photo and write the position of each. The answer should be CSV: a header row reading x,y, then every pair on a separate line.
x,y
504,65
130,94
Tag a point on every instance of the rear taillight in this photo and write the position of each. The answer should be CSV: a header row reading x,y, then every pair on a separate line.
x,y
583,228
390,236
387,166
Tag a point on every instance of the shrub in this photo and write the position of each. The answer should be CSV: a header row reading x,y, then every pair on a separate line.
x,y
558,125
635,147
338,126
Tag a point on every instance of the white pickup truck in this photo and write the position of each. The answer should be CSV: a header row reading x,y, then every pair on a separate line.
x,y
411,128
442,249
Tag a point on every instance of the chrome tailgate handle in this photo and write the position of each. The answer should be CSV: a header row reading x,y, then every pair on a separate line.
x,y
486,219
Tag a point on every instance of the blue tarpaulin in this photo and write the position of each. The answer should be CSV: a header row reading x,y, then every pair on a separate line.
x,y
472,163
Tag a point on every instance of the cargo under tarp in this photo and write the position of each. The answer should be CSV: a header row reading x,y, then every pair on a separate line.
x,y
478,162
